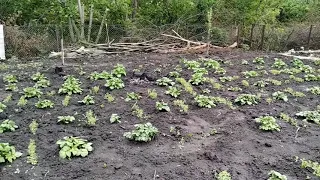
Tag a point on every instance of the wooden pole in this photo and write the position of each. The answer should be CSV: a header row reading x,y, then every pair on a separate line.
x,y
90,22
238,35
262,36
101,26
71,30
309,37
251,35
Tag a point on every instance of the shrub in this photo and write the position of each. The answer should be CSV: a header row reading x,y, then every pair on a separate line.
x,y
8,125
8,153
142,132
248,99
74,146
70,86
114,83
267,123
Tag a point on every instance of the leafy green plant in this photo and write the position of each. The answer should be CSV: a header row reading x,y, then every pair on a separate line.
x,y
311,77
280,96
42,104
96,76
174,74
115,118
38,76
268,123
182,105
10,78
2,107
220,71
87,100
315,166
162,106
315,90
32,154
297,63
164,81
205,101
297,79
66,100
132,96
250,74
152,93
95,89
228,78
200,70
74,146
137,111
187,86
22,101
258,60
31,92
142,132
11,87
274,175
7,126
210,63
33,127
275,72
70,86
249,99
279,63
307,69
313,116
119,71
173,91
114,83
197,79
109,97
261,84
91,118
192,64
8,153
245,83
234,89
42,83
294,93
223,175
66,119
275,82
289,119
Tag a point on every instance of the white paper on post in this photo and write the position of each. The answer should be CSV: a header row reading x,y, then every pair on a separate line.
x,y
2,50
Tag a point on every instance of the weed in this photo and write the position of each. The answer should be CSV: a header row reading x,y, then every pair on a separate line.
x,y
66,100
43,104
33,127
8,98
187,86
137,111
162,106
152,93
142,132
7,126
132,96
261,84
109,97
173,91
8,153
248,99
91,118
311,77
95,89
70,86
115,118
32,157
74,146
66,119
114,83
267,123
183,107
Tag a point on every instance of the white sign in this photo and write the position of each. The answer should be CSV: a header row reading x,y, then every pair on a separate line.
x,y
2,52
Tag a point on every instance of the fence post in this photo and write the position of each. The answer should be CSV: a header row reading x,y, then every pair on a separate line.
x,y
309,37
262,36
251,35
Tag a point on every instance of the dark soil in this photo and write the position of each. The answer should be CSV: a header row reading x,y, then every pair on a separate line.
x,y
239,146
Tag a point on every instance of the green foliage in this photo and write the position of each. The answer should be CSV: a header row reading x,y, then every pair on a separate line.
x,y
297,63
279,63
94,90
142,132
234,89
152,93
164,81
31,92
183,106
8,153
96,76
119,71
250,74
173,91
223,175
192,64
66,100
228,78
87,100
313,116
248,99
275,71
274,175
109,97
315,166
37,76
294,93
275,82
22,101
245,83
289,119
115,118
132,96
268,123
33,127
174,74
42,83
297,79
197,79
10,79
311,77
7,126
258,60
137,111
205,101
220,71
32,157
70,86
74,146
114,83
315,90
260,84
200,71
2,107
66,119
280,96
162,106
91,118
187,86
210,63
11,87
316,62
43,104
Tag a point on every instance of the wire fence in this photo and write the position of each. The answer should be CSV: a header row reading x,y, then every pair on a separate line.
x,y
35,40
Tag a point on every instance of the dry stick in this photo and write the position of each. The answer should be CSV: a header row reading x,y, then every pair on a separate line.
x,y
107,35
155,174
297,133
71,30
90,22
101,25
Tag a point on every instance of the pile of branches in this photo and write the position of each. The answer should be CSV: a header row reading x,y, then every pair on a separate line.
x,y
167,44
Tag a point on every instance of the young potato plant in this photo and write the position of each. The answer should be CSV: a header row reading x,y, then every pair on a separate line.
x,y
297,63
294,93
43,83
274,175
91,118
115,118
267,123
228,78
197,79
279,63
289,119
2,107
7,126
33,127
11,87
187,86
142,133
31,92
162,106
22,101
316,62
200,70
152,93
87,100
261,84
66,100
192,64
132,96
70,86
249,99
66,119
109,97
43,104
96,76
297,79
234,89
275,72
205,101
8,153
182,105
164,81
245,83
307,69
138,112
291,71
250,74
119,71
74,146
32,157
10,78
220,71
8,98
315,166
258,60
174,74
37,76
173,91
94,90
311,77
114,83
280,96
210,63
315,90
223,175
312,116
275,82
